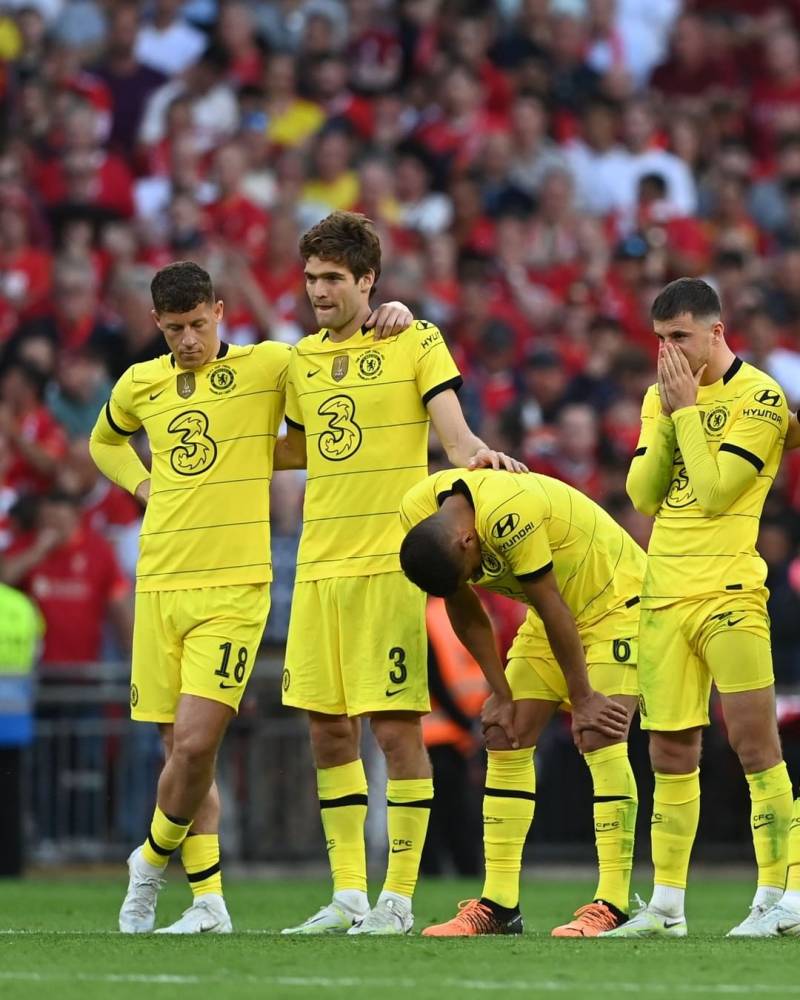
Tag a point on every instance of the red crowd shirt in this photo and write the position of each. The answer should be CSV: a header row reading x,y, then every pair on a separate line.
x,y
73,585
241,223
40,427
109,506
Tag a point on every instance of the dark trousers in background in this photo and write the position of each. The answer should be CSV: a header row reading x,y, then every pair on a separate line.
x,y
11,813
455,830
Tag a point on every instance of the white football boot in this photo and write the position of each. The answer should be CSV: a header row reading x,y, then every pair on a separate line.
x,y
647,923
137,914
207,915
337,917
390,915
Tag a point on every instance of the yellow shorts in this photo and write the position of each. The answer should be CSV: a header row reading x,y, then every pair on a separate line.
x,y
611,665
357,645
202,642
684,646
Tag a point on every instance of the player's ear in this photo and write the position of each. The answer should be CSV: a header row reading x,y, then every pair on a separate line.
x,y
156,319
219,310
366,281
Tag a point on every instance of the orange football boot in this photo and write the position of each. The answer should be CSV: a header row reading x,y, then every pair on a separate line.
x,y
476,917
591,920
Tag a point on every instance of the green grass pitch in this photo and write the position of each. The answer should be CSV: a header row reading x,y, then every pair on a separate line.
x,y
55,945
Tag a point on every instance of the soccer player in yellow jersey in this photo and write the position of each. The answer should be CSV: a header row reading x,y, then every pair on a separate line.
x,y
358,413
541,542
211,413
713,431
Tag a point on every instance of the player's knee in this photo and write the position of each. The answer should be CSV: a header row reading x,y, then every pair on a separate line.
x,y
670,755
193,751
400,741
495,739
334,741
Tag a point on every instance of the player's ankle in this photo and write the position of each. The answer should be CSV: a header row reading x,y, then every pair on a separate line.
x,y
501,912
668,899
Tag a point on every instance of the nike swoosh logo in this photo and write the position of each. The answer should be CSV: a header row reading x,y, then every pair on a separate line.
x,y
155,395
672,923
735,621
400,850
391,694
225,687
312,374
757,826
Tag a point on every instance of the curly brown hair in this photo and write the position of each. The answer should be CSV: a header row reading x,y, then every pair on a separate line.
x,y
180,287
347,238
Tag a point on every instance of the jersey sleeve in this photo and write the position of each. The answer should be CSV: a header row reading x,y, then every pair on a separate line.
x,y
434,367
651,466
115,423
120,411
294,415
758,427
417,504
511,521
762,422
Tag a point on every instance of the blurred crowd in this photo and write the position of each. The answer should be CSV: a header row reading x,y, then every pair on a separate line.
x,y
537,170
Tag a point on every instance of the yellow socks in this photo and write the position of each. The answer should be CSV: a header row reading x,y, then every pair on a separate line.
x,y
676,811
793,859
200,857
343,804
770,816
508,805
167,833
409,808
615,805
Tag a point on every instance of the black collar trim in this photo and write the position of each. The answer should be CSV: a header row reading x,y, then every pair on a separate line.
x,y
736,364
459,488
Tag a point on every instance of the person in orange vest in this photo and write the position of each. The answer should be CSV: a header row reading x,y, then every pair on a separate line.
x,y
451,732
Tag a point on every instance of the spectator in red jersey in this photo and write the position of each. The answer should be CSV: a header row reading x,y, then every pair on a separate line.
x,y
37,442
775,101
329,85
280,274
573,454
234,216
72,574
129,81
469,43
25,270
453,129
692,71
373,48
237,37
82,171
8,495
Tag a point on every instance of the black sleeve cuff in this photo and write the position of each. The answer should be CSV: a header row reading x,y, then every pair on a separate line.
x,y
748,456
536,573
639,451
293,423
114,425
453,383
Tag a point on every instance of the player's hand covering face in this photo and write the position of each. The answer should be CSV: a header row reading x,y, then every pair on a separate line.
x,y
485,458
389,319
600,714
676,377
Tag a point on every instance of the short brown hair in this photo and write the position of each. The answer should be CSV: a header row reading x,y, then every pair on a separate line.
x,y
347,238
181,287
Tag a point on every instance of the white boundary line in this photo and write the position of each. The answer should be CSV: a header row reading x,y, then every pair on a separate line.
x,y
350,982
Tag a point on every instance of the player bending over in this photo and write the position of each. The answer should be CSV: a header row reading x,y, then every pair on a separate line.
x,y
543,543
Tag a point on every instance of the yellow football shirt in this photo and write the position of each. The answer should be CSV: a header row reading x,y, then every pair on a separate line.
x,y
212,437
362,405
743,414
529,524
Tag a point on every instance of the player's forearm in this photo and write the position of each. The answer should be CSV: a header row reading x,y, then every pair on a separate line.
x,y
716,481
565,642
288,457
118,462
472,626
651,468
462,448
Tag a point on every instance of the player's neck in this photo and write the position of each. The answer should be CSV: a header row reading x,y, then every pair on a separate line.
x,y
718,364
355,324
